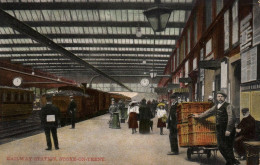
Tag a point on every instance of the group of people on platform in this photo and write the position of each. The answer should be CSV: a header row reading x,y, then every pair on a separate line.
x,y
230,136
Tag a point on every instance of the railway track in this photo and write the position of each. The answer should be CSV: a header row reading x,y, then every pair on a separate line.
x,y
14,130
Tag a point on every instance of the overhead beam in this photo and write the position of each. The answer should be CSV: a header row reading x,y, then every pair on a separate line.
x,y
96,36
86,52
97,24
85,57
90,6
25,29
96,65
92,45
103,62
37,76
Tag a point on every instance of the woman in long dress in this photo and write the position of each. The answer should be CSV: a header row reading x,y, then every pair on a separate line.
x,y
133,111
161,113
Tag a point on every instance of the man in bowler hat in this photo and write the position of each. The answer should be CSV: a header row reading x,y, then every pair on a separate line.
x,y
225,126
172,126
72,110
50,118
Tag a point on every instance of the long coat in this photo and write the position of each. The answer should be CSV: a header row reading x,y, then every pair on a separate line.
x,y
50,109
172,119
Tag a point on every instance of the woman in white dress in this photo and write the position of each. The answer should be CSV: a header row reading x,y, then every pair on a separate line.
x,y
161,113
133,111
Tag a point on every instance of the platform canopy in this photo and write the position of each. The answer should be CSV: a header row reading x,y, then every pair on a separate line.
x,y
102,33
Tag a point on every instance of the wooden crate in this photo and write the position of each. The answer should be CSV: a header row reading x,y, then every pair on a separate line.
x,y
202,139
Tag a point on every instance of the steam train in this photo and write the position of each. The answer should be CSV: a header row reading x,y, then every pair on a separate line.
x,y
15,103
90,102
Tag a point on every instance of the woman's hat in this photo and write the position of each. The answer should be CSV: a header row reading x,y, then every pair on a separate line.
x,y
161,104
133,102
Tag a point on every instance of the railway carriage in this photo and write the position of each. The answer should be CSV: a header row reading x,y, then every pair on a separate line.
x,y
90,102
15,103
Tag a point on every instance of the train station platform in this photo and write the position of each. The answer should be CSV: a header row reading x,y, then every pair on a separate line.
x,y
92,142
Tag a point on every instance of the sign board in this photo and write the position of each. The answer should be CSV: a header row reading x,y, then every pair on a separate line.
x,y
250,65
246,33
173,86
161,90
256,25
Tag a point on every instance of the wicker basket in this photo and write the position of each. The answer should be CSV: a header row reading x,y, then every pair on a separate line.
x,y
202,139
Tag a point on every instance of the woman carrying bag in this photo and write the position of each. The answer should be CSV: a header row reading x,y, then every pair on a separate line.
x,y
162,117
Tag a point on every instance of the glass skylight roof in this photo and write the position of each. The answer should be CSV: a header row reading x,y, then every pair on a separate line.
x,y
105,37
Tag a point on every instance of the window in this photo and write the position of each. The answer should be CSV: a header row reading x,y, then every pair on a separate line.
x,y
235,23
188,41
195,30
178,57
8,97
208,9
16,97
219,4
4,96
25,97
22,97
226,30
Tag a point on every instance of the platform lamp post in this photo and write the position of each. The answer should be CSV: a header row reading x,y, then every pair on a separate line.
x,y
158,17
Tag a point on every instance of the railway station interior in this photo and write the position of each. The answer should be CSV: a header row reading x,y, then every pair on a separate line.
x,y
124,71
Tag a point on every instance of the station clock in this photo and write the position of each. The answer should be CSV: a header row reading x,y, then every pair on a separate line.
x,y
144,82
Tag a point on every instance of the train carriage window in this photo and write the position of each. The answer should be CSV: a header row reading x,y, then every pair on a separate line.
x,y
21,97
31,97
28,97
8,96
4,96
12,97
16,97
25,97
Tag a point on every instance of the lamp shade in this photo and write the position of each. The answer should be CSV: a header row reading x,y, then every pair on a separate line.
x,y
158,17
153,74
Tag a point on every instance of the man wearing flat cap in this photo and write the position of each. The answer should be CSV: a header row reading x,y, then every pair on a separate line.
x,y
225,126
172,126
72,111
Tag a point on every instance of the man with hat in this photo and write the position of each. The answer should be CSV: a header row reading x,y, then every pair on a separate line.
x,y
72,110
225,126
50,116
172,126
245,132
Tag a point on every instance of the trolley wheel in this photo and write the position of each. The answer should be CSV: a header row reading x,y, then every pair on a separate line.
x,y
208,154
189,152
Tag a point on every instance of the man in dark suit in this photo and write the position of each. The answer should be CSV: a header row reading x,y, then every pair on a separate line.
x,y
72,110
172,126
50,117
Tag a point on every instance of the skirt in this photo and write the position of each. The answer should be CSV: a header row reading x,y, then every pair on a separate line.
x,y
160,123
132,121
144,126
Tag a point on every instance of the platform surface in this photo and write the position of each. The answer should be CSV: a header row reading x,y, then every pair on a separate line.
x,y
92,142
